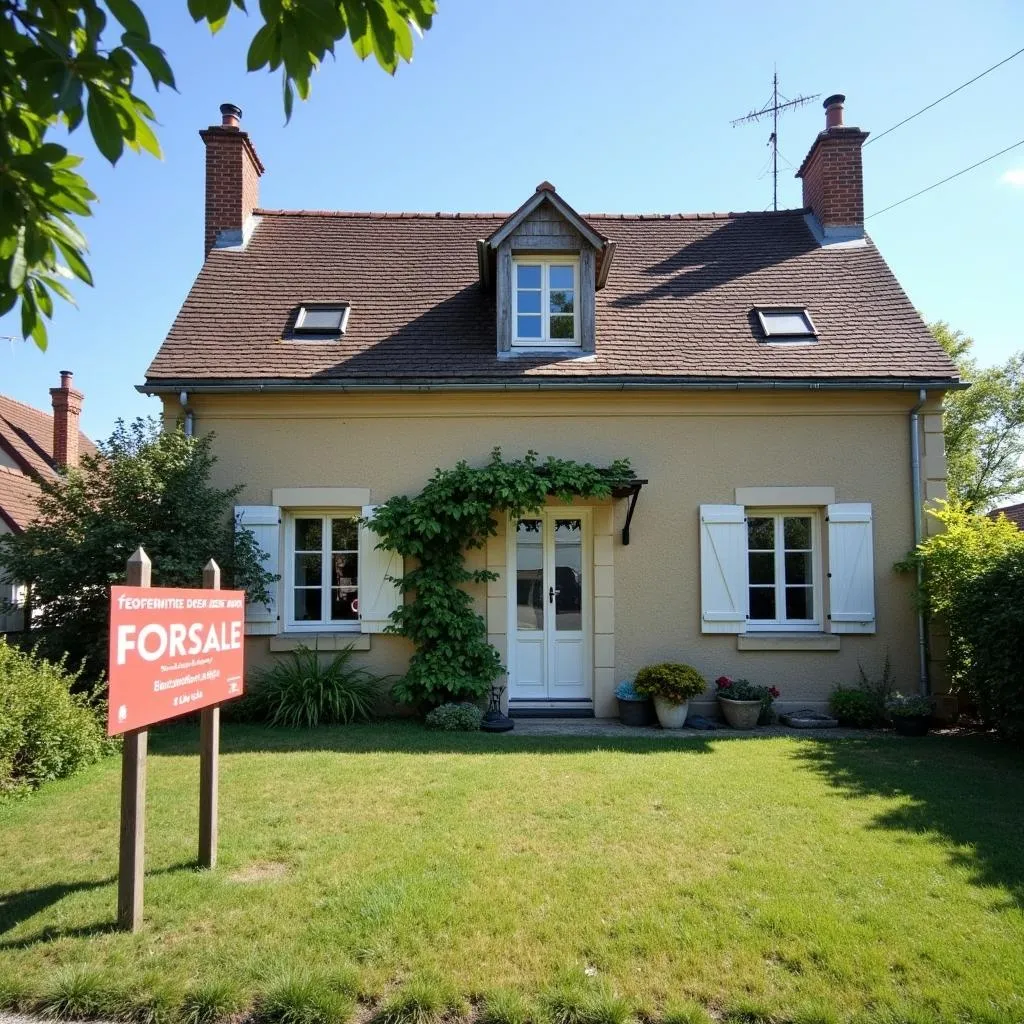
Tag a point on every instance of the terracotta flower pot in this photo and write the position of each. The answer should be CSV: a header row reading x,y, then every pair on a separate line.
x,y
670,714
740,714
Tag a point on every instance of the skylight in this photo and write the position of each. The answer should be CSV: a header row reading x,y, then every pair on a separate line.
x,y
786,323
322,318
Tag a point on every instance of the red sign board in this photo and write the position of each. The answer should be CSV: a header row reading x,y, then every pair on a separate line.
x,y
172,651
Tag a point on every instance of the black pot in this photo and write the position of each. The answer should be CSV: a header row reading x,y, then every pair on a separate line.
x,y
911,725
637,712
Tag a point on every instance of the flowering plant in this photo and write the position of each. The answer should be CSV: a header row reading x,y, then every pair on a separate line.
x,y
744,689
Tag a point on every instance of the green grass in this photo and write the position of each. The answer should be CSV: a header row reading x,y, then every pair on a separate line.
x,y
381,872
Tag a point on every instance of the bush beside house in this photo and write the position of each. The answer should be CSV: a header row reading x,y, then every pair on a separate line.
x,y
46,730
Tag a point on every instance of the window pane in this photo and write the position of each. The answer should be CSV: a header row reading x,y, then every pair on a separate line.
x,y
561,302
344,604
762,568
528,275
528,302
344,535
761,533
762,602
563,327
568,574
799,604
307,570
561,277
786,322
344,570
798,567
307,605
529,576
308,534
528,327
797,532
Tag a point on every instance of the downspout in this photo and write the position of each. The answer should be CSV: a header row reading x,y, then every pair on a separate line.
x,y
189,418
915,477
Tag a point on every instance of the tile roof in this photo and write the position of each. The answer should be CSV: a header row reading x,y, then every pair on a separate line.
x,y
1015,513
26,436
678,304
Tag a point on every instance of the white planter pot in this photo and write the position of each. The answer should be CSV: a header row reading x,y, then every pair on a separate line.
x,y
740,714
670,714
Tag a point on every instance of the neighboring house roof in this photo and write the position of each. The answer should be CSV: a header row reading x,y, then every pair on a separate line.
x,y
26,437
1015,513
678,304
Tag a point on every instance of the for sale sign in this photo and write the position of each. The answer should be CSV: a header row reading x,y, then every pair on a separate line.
x,y
172,651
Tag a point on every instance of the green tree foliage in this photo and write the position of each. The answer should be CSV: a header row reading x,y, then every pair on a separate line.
x,y
453,660
973,579
144,487
984,425
69,62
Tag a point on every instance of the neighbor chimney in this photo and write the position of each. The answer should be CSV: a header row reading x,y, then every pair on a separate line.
x,y
832,176
67,407
232,179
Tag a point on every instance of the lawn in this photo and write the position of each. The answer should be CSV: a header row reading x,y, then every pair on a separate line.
x,y
585,879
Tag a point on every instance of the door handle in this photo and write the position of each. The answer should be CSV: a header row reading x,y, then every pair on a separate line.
x,y
552,591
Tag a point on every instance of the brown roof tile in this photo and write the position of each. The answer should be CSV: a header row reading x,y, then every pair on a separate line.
x,y
1015,513
26,436
677,304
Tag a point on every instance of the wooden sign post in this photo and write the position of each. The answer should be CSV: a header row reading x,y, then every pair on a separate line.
x,y
131,858
209,754
173,651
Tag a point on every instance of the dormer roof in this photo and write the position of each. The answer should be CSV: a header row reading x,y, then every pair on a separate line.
x,y
546,193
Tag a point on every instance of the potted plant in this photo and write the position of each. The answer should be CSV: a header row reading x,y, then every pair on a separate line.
x,y
634,709
671,686
910,716
742,702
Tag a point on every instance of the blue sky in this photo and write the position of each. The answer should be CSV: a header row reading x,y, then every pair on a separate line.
x,y
625,106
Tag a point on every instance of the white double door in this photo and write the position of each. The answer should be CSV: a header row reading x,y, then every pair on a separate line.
x,y
550,607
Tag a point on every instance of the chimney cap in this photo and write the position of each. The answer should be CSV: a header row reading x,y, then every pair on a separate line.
x,y
832,100
230,114
65,378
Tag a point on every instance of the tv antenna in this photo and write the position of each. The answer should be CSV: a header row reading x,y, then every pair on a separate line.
x,y
774,107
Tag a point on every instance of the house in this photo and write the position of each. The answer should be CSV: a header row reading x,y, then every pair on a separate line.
x,y
1015,513
34,446
774,388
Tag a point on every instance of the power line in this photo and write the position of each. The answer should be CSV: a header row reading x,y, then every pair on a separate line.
x,y
944,180
941,98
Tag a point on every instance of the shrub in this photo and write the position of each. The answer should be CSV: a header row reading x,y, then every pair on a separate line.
x,y
306,690
671,681
46,731
898,706
744,689
853,706
461,717
973,579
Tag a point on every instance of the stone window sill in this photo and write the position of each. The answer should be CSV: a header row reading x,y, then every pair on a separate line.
x,y
320,641
787,642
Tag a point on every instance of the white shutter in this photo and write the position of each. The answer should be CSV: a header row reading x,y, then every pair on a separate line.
x,y
851,569
379,595
264,523
723,569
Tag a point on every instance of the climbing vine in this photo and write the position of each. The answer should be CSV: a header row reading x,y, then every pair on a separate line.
x,y
433,530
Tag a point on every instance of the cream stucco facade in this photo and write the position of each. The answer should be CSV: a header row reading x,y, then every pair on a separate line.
x,y
694,448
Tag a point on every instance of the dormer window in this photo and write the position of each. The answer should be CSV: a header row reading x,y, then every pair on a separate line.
x,y
545,309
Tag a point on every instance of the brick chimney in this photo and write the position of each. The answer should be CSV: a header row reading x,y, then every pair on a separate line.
x,y
832,176
232,179
67,407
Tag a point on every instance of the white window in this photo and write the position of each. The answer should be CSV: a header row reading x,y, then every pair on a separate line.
x,y
545,311
321,577
783,575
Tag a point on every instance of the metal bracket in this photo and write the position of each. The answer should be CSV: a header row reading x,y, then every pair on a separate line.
x,y
634,493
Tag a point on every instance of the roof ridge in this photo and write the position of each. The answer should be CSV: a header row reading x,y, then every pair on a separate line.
x,y
471,215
